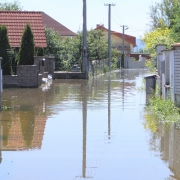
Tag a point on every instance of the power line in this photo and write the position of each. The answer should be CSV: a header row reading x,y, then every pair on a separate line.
x,y
118,16
116,20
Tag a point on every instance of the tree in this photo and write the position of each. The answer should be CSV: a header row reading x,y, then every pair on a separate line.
x,y
164,14
68,51
14,6
158,36
26,52
54,46
4,49
97,45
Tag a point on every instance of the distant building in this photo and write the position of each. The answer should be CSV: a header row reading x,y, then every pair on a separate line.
x,y
49,22
117,39
138,55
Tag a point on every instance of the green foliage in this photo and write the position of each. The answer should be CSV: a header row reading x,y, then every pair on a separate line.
x,y
114,58
4,49
39,51
97,45
11,6
26,52
163,110
105,70
68,51
158,36
151,65
164,14
122,60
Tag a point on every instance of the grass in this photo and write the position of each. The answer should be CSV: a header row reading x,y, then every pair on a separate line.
x,y
163,110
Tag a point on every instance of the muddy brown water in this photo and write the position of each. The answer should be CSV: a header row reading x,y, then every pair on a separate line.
x,y
77,129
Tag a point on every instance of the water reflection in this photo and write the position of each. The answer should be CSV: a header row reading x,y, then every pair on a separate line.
x,y
1,141
109,106
99,104
84,101
165,142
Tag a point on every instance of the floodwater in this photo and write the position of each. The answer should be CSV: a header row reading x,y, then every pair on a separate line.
x,y
77,129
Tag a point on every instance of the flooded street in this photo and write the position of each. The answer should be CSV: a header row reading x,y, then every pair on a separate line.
x,y
77,129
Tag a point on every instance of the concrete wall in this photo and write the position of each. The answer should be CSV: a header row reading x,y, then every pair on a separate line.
x,y
161,58
27,76
177,74
159,49
45,65
168,65
31,75
171,56
131,63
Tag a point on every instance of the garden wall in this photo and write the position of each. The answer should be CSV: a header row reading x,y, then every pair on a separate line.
x,y
27,76
131,63
45,65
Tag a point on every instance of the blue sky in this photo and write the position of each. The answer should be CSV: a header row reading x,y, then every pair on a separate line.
x,y
133,13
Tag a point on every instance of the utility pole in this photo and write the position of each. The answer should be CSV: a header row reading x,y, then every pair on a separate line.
x,y
124,28
109,35
85,69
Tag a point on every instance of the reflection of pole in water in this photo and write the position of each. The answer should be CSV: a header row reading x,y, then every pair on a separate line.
x,y
84,129
84,111
122,76
109,106
1,141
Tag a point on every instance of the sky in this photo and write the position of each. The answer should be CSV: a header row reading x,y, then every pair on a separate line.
x,y
132,13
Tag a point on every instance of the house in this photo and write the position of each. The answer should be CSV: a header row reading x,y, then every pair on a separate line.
x,y
15,22
117,39
51,23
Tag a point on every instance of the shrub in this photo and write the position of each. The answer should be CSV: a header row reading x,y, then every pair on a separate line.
x,y
40,51
26,52
164,110
4,49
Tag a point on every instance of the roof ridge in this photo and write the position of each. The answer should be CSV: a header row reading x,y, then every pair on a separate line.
x,y
14,11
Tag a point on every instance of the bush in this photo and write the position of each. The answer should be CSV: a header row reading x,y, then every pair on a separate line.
x,y
163,110
40,52
105,70
4,49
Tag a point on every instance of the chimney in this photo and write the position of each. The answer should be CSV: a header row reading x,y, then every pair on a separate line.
x,y
99,25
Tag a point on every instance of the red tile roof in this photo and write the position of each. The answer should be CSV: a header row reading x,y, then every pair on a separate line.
x,y
128,38
175,45
51,23
15,22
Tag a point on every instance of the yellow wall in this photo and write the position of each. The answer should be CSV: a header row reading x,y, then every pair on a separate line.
x,y
117,41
